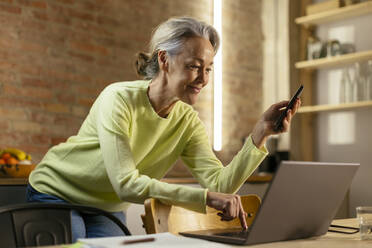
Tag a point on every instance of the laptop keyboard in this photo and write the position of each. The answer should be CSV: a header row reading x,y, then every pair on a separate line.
x,y
236,234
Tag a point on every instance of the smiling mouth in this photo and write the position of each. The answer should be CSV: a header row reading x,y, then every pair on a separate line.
x,y
194,89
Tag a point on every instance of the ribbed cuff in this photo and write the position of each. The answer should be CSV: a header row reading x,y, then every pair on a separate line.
x,y
249,145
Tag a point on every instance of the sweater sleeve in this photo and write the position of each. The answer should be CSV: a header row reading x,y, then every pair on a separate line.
x,y
210,172
113,125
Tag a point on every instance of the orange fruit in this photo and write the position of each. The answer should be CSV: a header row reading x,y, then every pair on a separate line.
x,y
6,156
12,161
2,161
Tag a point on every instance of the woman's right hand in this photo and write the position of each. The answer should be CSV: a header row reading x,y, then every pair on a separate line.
x,y
230,205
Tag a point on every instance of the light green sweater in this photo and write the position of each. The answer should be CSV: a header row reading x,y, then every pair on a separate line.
x,y
123,148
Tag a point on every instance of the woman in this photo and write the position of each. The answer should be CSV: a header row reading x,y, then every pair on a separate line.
x,y
135,131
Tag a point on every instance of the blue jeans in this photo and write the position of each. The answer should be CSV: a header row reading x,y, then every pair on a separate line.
x,y
82,225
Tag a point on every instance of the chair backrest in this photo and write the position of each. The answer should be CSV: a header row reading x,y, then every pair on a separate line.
x,y
160,217
38,224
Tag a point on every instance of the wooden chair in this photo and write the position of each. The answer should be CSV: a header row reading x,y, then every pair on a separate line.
x,y
160,217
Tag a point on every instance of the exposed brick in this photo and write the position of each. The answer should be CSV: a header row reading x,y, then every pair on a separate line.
x,y
87,90
35,26
89,48
42,117
66,97
20,102
57,108
10,9
62,53
40,139
37,151
43,16
33,3
6,65
13,113
67,120
34,70
7,43
11,138
59,14
4,125
94,29
80,15
57,140
104,20
89,6
66,1
84,57
80,111
27,127
61,19
36,92
85,101
32,47
38,82
57,130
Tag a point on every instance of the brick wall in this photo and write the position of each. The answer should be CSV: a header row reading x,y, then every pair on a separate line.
x,y
242,75
57,55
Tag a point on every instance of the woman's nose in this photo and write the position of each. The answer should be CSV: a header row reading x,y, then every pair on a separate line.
x,y
203,75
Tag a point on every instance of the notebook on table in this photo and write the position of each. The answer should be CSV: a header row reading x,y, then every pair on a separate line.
x,y
301,202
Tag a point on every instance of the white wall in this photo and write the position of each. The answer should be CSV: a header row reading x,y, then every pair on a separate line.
x,y
346,136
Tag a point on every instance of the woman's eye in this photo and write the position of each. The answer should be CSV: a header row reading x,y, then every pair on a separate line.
x,y
194,67
209,70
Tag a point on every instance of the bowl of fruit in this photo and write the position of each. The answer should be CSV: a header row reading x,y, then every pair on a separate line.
x,y
15,163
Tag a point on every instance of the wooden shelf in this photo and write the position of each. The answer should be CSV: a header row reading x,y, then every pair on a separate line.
x,y
336,14
13,181
335,61
255,178
334,107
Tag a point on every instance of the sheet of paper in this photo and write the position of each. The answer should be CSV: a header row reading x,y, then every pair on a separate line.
x,y
161,240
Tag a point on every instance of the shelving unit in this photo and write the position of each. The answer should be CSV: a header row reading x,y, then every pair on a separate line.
x,y
303,126
335,61
334,107
337,14
312,129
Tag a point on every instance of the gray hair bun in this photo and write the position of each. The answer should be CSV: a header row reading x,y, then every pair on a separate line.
x,y
170,37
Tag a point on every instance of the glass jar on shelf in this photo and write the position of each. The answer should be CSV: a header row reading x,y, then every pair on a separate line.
x,y
314,45
360,83
369,80
346,89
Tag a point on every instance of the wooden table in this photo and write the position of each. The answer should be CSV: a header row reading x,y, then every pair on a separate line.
x,y
329,240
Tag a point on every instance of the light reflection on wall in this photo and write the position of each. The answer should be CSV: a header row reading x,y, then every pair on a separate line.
x,y
334,83
341,128
217,78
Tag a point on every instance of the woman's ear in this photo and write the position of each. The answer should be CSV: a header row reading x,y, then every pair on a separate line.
x,y
163,60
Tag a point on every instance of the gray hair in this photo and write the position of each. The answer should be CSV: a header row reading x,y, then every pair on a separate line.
x,y
170,37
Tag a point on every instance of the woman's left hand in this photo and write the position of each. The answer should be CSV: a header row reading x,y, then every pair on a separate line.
x,y
265,126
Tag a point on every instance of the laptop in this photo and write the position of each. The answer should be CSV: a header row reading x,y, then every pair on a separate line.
x,y
301,202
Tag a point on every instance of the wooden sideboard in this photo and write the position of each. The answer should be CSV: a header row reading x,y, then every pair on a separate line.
x,y
12,190
255,178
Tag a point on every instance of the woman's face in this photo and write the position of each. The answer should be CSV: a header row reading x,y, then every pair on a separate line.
x,y
189,71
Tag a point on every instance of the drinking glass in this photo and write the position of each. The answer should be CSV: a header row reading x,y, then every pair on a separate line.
x,y
364,215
